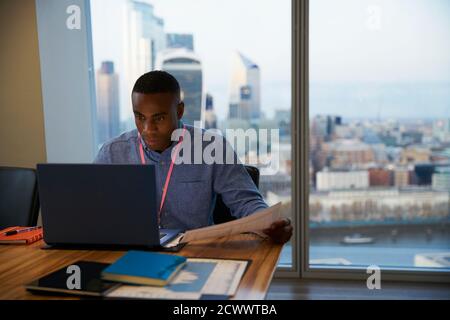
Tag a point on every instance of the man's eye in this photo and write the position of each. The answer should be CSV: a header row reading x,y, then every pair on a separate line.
x,y
160,118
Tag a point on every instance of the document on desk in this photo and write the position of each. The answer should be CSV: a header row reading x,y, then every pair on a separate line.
x,y
199,277
255,222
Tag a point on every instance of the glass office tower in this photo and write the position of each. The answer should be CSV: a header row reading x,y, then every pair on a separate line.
x,y
108,113
186,67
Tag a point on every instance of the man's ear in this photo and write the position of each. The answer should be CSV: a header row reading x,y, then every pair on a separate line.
x,y
180,110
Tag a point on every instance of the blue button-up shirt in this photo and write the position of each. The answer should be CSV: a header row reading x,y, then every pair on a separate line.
x,y
193,188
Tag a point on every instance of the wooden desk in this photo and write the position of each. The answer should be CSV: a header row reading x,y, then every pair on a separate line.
x,y
21,264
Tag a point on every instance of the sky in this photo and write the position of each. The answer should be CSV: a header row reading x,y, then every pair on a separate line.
x,y
380,40
351,41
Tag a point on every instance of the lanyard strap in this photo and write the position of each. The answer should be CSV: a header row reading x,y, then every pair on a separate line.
x,y
169,173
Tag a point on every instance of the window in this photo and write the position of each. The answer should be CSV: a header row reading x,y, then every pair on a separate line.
x,y
379,134
364,159
232,60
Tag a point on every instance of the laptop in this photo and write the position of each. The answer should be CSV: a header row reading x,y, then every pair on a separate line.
x,y
98,205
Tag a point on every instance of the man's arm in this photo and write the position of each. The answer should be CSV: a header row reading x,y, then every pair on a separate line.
x,y
238,191
103,155
242,197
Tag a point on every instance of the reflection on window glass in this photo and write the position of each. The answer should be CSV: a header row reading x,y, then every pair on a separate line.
x,y
232,60
380,133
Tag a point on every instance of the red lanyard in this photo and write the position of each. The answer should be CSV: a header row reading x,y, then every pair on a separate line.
x,y
169,173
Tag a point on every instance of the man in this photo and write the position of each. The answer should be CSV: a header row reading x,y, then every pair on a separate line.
x,y
191,189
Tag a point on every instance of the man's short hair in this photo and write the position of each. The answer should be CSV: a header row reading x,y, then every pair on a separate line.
x,y
157,82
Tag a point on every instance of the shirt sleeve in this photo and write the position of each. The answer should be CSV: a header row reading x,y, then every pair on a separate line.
x,y
104,155
239,192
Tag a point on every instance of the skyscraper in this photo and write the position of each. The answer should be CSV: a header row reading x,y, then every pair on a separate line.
x,y
245,88
186,67
441,130
324,126
180,40
210,116
145,37
108,116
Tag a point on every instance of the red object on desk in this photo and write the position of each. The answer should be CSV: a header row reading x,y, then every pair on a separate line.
x,y
21,238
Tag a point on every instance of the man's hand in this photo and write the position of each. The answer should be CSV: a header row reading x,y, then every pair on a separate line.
x,y
280,231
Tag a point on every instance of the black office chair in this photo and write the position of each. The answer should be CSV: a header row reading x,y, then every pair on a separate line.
x,y
221,212
19,201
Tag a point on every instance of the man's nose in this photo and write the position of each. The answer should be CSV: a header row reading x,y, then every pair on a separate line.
x,y
149,126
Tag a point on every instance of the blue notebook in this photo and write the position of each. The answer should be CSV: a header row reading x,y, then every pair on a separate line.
x,y
146,268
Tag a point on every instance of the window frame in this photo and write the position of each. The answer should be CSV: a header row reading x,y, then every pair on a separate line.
x,y
66,58
300,188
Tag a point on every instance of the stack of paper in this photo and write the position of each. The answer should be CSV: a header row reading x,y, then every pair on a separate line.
x,y
255,222
198,278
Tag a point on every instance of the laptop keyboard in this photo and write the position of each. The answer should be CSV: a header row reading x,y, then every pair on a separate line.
x,y
162,235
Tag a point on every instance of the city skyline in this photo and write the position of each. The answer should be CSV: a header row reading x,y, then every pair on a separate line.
x,y
214,45
275,90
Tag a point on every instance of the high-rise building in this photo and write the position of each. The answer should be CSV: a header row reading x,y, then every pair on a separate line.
x,y
245,89
319,127
441,179
233,111
324,126
210,115
283,120
180,40
441,130
108,112
244,107
186,67
145,37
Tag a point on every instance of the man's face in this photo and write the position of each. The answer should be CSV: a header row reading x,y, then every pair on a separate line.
x,y
156,116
